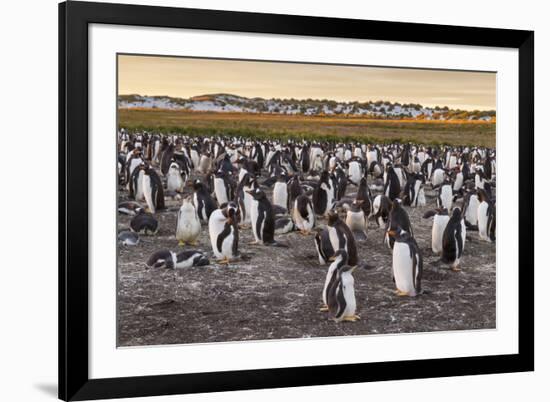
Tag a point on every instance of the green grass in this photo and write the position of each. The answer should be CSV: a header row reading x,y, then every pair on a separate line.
x,y
324,128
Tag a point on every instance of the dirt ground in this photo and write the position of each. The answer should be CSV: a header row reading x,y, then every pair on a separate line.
x,y
275,293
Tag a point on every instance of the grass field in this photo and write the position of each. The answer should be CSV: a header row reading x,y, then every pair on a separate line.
x,y
315,127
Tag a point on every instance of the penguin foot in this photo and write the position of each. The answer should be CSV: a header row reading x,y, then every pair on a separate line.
x,y
324,308
400,293
224,261
194,243
351,318
304,232
252,243
455,269
181,243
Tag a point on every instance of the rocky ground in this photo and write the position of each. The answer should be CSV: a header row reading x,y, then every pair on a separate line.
x,y
275,293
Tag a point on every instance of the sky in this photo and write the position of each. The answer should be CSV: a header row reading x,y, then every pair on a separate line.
x,y
187,77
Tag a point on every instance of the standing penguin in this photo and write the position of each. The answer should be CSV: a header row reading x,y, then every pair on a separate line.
x,y
441,218
262,218
152,189
485,217
188,227
341,295
224,233
323,195
302,214
454,239
398,218
222,187
203,201
392,186
243,197
280,192
364,196
339,259
323,246
381,207
341,237
406,263
469,209
445,196
174,180
356,219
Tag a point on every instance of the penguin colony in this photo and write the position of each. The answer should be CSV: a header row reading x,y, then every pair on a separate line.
x,y
338,195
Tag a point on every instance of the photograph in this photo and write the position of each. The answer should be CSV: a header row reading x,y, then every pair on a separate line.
x,y
267,200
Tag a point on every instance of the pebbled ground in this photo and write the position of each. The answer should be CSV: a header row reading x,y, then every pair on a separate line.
x,y
275,293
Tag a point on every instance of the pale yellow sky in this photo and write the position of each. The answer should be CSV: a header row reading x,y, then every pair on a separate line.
x,y
187,77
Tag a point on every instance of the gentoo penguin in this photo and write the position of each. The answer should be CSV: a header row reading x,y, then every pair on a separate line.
x,y
341,295
341,237
414,191
323,246
339,259
485,217
243,197
224,233
381,207
294,190
445,196
438,174
205,163
356,219
398,218
171,260
441,218
323,195
406,263
152,189
144,222
222,187
454,239
364,196
392,186
135,185
129,207
469,209
280,193
188,227
355,171
127,238
302,214
262,218
174,180
284,225
203,201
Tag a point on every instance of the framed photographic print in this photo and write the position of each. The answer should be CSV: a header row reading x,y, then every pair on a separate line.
x,y
258,200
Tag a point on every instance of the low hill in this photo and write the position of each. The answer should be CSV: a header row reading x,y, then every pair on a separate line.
x,y
309,107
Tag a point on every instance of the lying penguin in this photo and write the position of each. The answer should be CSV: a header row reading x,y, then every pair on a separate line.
x,y
127,238
171,260
144,222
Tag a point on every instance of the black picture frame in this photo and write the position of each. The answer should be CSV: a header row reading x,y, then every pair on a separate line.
x,y
74,18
